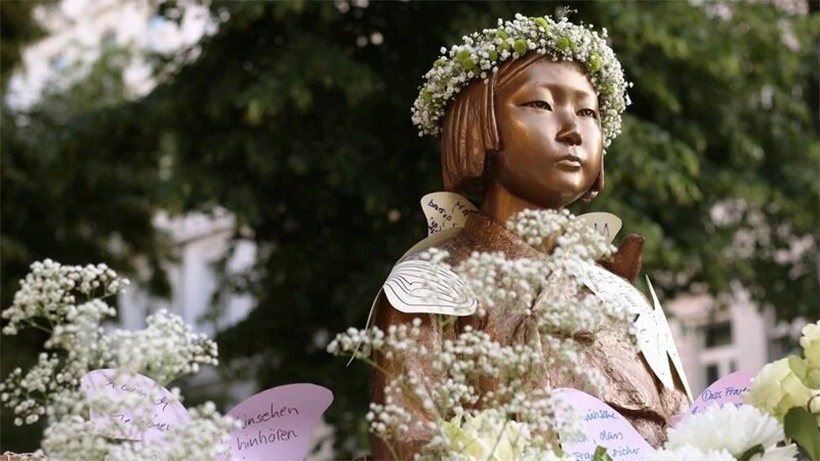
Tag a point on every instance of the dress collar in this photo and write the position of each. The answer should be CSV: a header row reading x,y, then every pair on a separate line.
x,y
486,234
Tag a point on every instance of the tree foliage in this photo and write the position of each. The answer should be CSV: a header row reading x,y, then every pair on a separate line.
x,y
295,117
70,195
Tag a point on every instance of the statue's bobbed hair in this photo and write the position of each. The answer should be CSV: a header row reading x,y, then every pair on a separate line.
x,y
470,137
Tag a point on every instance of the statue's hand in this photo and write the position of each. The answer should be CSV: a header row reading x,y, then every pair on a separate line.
x,y
627,261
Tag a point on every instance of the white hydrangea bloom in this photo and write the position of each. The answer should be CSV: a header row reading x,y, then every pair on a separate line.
x,y
492,436
776,389
810,342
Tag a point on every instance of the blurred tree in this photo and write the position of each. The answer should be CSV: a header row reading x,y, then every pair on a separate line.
x,y
295,117
67,193
17,29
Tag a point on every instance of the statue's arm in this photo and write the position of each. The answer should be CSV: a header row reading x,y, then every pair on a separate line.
x,y
411,441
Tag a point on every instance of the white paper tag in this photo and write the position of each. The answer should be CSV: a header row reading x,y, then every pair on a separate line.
x,y
665,337
417,286
611,288
652,341
652,333
607,224
445,210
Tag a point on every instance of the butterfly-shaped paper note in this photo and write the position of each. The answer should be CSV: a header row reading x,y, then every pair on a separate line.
x,y
276,424
445,210
660,336
655,339
725,391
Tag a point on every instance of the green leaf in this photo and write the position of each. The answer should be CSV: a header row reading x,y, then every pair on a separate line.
x,y
520,46
601,454
801,427
747,455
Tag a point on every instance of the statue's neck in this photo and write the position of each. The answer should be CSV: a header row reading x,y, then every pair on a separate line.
x,y
501,204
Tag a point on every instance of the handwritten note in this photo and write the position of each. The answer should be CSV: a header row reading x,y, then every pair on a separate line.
x,y
606,224
725,391
445,210
665,341
611,288
652,329
603,426
158,410
277,424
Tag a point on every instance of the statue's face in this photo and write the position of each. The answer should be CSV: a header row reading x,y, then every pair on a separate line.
x,y
550,133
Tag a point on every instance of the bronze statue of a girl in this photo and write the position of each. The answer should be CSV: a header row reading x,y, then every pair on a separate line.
x,y
530,134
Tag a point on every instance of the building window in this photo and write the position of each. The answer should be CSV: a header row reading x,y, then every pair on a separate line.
x,y
718,334
712,373
782,346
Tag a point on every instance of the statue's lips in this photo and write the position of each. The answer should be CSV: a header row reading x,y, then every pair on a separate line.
x,y
569,161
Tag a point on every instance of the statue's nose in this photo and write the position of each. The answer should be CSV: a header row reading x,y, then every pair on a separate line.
x,y
569,134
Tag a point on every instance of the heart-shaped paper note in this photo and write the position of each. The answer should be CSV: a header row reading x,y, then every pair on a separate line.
x,y
725,391
149,422
277,424
606,224
602,426
445,210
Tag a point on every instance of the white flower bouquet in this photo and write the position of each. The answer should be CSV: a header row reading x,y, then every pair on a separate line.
x,y
68,303
781,418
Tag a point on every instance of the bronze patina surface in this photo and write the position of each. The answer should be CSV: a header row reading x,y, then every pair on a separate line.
x,y
529,137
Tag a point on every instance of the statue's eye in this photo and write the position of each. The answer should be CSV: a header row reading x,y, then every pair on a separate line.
x,y
539,105
588,113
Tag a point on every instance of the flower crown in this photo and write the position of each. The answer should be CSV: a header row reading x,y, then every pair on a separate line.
x,y
482,53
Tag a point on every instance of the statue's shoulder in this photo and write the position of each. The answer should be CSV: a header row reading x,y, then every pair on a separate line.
x,y
417,284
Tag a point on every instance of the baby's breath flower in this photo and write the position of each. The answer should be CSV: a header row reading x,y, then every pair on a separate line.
x,y
484,51
68,302
165,350
545,295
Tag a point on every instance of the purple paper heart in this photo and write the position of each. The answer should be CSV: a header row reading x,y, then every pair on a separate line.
x,y
277,424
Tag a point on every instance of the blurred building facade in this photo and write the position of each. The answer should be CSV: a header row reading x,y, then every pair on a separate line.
x,y
78,31
715,339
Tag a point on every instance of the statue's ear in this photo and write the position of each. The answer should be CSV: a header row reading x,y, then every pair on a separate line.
x,y
596,187
627,261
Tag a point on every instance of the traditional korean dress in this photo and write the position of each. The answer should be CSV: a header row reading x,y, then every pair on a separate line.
x,y
630,387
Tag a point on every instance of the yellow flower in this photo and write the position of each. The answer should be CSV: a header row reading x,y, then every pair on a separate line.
x,y
486,437
777,388
810,342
